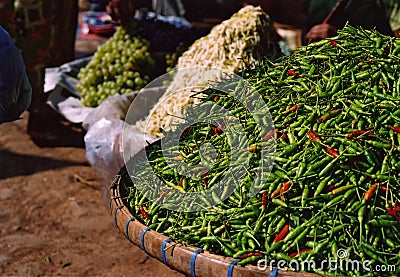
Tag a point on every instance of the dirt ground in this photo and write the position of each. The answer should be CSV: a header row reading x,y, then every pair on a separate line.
x,y
53,220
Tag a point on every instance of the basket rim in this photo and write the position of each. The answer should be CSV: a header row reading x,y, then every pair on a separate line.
x,y
142,236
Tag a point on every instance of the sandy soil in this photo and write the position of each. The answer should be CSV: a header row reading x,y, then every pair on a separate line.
x,y
53,218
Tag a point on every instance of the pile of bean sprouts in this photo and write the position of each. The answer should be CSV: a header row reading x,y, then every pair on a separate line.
x,y
238,43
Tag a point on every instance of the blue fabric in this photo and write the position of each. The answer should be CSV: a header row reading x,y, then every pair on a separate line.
x,y
231,267
111,199
127,228
163,256
193,262
142,238
15,89
274,272
115,215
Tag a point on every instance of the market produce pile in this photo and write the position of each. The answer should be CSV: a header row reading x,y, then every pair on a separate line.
x,y
121,65
234,45
335,180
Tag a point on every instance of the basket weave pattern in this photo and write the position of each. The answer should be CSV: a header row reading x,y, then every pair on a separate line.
x,y
185,259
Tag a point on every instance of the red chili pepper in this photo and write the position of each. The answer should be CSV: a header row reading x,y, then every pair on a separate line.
x,y
143,212
294,254
204,173
325,117
284,188
216,129
264,199
216,98
393,212
358,133
228,224
284,137
370,192
253,148
332,152
333,43
282,234
291,109
251,254
276,133
275,193
205,183
268,136
383,188
179,158
330,188
181,183
312,135
291,72
186,130
395,128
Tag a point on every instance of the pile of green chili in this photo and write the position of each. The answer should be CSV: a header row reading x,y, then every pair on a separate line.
x,y
335,180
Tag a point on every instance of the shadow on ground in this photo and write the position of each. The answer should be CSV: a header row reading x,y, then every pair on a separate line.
x,y
14,164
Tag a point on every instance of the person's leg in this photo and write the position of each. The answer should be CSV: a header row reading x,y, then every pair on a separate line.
x,y
46,40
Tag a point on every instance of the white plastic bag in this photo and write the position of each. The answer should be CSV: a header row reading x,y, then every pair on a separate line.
x,y
106,127
114,107
104,147
63,96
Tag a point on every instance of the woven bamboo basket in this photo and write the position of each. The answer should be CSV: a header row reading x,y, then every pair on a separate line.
x,y
182,258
